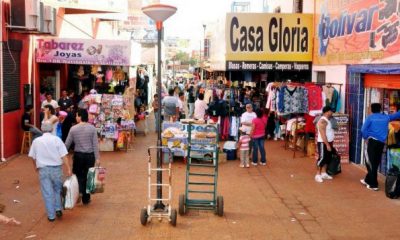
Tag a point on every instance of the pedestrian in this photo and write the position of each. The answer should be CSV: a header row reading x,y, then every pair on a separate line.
x,y
65,123
375,132
200,107
86,150
50,117
65,102
325,138
246,121
49,154
171,106
156,110
51,101
258,137
243,146
26,123
183,109
191,100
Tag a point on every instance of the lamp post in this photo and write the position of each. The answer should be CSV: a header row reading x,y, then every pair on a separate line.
x,y
204,48
159,13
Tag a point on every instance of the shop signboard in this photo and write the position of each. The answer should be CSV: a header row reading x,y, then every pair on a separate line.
x,y
99,5
83,51
264,41
341,142
356,32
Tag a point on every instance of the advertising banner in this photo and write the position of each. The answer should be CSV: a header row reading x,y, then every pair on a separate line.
x,y
356,32
264,38
83,51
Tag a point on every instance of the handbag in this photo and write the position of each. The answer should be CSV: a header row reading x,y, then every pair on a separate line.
x,y
95,180
334,166
72,192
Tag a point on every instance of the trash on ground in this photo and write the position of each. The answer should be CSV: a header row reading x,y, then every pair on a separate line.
x,y
293,220
16,201
31,236
16,181
302,213
7,220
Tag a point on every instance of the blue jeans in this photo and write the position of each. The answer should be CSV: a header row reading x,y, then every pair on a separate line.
x,y
35,132
156,120
191,110
51,185
258,143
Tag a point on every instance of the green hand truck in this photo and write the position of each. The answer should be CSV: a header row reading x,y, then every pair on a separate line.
x,y
202,171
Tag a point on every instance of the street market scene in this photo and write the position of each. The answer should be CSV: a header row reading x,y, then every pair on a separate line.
x,y
173,119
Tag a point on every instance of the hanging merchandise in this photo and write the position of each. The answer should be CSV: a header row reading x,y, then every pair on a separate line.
x,y
332,97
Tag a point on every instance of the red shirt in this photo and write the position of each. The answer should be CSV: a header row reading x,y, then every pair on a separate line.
x,y
259,127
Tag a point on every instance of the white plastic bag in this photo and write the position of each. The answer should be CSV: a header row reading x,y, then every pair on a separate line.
x,y
229,145
72,193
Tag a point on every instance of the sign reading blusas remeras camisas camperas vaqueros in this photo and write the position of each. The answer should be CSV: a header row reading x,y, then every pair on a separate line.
x,y
262,41
83,51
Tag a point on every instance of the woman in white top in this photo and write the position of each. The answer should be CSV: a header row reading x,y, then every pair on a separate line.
x,y
50,117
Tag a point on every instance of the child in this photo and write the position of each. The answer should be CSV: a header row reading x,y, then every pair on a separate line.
x,y
243,146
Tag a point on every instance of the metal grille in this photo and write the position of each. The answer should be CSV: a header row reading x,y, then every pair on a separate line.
x,y
11,76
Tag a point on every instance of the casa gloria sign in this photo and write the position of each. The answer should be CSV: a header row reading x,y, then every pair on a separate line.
x,y
261,41
83,51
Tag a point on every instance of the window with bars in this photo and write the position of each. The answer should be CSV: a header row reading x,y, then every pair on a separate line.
x,y
321,77
11,75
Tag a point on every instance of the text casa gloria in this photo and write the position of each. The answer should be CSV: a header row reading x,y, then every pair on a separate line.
x,y
280,37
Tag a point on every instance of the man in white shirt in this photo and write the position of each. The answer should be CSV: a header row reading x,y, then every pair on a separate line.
x,y
51,101
49,154
200,107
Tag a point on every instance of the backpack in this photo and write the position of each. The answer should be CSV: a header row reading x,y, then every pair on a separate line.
x,y
392,183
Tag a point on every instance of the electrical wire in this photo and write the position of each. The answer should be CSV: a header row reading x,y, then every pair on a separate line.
x,y
73,25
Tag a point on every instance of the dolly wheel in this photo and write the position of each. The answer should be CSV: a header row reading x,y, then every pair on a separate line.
x,y
220,206
173,217
144,216
182,209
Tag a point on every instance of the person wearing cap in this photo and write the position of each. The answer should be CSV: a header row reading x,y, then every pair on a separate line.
x,y
49,154
326,135
375,132
86,150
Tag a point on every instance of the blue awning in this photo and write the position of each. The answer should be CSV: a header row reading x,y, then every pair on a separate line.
x,y
375,68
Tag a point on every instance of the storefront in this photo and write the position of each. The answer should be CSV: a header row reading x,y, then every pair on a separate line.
x,y
262,47
364,38
97,75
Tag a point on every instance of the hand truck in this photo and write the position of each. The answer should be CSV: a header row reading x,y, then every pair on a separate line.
x,y
202,176
159,210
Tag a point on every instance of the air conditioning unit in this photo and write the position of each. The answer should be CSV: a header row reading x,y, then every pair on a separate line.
x,y
26,15
49,20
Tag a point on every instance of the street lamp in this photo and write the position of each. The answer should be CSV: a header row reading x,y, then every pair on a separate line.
x,y
159,13
204,48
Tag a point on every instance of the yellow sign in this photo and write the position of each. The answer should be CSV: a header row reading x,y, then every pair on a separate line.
x,y
269,37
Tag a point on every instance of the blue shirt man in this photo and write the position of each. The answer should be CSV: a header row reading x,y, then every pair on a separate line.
x,y
375,132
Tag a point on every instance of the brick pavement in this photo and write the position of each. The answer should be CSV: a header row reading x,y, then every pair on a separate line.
x,y
279,201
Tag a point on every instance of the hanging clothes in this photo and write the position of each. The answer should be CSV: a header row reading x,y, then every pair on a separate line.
x,y
314,97
293,100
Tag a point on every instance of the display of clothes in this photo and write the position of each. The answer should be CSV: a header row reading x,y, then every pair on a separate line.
x,y
332,97
293,99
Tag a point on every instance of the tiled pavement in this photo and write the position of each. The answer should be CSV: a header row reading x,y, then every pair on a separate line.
x,y
278,201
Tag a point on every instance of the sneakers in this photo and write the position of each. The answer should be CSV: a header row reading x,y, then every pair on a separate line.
x,y
372,188
241,165
318,178
263,164
253,163
362,181
326,176
247,165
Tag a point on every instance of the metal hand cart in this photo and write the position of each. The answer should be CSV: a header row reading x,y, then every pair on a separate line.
x,y
202,173
159,210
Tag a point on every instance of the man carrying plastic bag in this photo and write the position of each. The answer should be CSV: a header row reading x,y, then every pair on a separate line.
x,y
49,154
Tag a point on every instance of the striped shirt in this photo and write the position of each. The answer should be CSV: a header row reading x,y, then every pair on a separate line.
x,y
244,141
85,138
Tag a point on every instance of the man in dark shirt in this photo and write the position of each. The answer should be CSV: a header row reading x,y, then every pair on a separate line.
x,y
27,125
64,102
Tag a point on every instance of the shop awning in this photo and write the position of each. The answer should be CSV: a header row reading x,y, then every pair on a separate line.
x,y
375,69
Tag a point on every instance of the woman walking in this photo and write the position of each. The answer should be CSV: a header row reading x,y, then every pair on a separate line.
x,y
86,150
50,118
258,137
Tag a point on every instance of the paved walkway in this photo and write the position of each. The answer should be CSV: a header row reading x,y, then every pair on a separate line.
x,y
277,201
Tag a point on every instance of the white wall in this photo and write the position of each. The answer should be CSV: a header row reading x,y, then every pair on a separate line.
x,y
333,74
